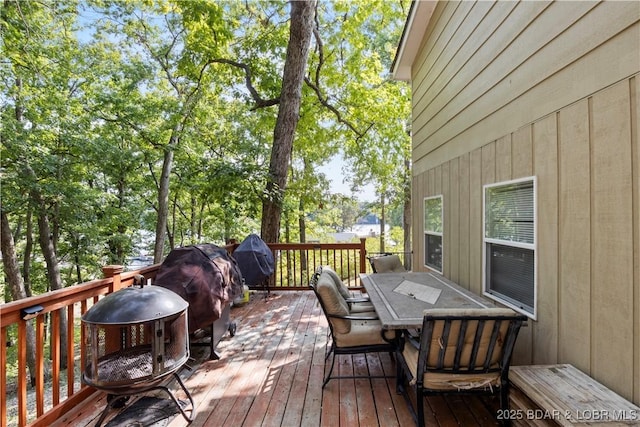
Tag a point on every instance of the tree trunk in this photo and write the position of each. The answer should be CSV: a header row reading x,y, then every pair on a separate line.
x,y
193,226
200,219
28,247
49,253
300,30
26,262
53,268
287,239
16,285
163,201
302,222
287,227
302,225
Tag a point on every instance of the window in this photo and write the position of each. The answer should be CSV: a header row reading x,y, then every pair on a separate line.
x,y
509,244
433,233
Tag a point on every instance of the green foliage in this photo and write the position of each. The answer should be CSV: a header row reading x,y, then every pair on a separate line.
x,y
95,92
359,42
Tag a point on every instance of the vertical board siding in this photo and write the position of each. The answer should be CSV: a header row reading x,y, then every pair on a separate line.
x,y
583,159
634,88
489,163
612,243
574,235
453,218
417,214
522,150
504,90
475,221
503,158
447,226
464,221
545,157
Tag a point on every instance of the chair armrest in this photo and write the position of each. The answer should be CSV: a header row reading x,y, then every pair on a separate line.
x,y
413,333
408,337
352,317
413,341
357,299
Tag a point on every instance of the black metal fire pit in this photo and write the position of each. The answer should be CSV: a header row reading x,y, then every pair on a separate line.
x,y
135,340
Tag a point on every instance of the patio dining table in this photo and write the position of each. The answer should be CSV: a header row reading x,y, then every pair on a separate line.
x,y
400,299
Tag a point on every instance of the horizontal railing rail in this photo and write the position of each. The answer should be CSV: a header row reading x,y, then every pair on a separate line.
x,y
57,390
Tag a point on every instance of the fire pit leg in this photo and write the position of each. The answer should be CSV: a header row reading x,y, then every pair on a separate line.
x,y
118,401
113,401
189,419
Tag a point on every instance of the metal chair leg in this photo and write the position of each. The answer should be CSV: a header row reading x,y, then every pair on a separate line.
x,y
399,378
328,377
420,404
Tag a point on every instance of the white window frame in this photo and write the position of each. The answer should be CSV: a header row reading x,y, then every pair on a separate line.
x,y
523,245
433,233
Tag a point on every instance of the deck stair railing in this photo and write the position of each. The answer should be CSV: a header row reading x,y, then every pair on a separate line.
x,y
55,390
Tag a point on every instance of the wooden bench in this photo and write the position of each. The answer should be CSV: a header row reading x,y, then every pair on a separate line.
x,y
550,395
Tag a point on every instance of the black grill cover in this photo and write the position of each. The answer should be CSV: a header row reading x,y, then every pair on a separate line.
x,y
255,260
205,276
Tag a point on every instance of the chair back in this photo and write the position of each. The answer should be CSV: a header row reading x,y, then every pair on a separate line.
x,y
331,302
340,286
468,341
387,264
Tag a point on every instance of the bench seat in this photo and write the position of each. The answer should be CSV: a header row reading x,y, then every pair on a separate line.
x,y
547,395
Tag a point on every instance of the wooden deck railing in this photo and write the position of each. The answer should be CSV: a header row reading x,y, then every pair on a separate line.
x,y
58,390
295,264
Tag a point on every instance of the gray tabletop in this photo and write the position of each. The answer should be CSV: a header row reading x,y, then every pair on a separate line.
x,y
401,298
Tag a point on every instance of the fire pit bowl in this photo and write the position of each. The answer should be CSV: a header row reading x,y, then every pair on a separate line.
x,y
134,339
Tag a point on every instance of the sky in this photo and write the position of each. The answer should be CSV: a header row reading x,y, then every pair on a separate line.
x,y
334,173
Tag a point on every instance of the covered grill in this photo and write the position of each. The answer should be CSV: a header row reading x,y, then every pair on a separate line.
x,y
255,260
135,339
208,278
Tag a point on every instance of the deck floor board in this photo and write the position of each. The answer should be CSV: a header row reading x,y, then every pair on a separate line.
x,y
270,374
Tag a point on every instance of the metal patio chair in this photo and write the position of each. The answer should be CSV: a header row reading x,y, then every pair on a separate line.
x,y
350,333
458,351
360,304
387,264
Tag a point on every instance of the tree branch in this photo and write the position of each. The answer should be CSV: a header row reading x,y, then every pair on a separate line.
x,y
248,76
315,86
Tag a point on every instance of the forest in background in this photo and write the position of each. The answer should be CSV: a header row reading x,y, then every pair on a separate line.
x,y
98,96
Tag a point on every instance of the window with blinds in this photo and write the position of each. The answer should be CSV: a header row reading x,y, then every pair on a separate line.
x,y
509,212
509,240
433,233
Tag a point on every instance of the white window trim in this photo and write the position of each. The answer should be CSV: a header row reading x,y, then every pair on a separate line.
x,y
433,233
531,246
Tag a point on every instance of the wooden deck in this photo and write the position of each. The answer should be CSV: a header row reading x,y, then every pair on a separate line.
x,y
270,374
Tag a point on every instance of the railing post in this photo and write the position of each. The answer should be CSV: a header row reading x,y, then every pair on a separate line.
x,y
363,255
113,271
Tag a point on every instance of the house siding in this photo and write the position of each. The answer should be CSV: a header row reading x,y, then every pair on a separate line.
x,y
508,90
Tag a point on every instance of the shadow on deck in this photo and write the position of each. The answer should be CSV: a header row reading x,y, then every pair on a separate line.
x,y
270,374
